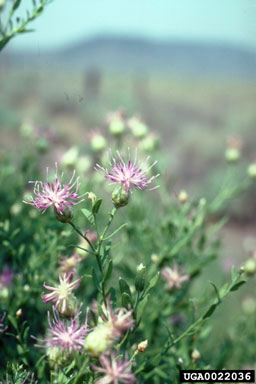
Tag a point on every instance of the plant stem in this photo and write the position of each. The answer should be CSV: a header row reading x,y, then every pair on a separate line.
x,y
83,236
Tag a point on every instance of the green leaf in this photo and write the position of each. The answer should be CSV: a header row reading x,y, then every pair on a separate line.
x,y
236,286
13,321
234,274
96,206
126,300
109,271
88,215
116,231
16,5
141,308
152,283
124,287
210,311
96,280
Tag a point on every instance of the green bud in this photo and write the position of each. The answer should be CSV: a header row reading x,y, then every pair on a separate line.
x,y
70,157
139,129
58,357
16,209
250,267
98,143
65,217
232,155
117,127
140,278
149,143
71,308
42,145
251,171
120,197
99,340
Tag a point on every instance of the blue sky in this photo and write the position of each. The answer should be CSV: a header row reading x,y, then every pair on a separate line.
x,y
66,21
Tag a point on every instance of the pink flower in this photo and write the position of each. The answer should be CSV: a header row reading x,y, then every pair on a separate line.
x,y
130,174
69,264
119,321
62,294
115,371
2,327
173,277
6,277
65,334
57,195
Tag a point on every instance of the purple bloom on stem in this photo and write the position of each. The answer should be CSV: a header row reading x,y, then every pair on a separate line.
x,y
2,327
62,294
119,321
6,277
65,334
173,277
115,371
57,195
129,174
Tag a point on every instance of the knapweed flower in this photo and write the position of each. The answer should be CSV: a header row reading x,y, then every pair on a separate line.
x,y
129,174
173,277
111,326
118,321
69,264
114,371
6,277
2,326
68,335
57,195
62,294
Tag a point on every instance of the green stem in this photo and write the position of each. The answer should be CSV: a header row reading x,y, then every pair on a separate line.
x,y
83,236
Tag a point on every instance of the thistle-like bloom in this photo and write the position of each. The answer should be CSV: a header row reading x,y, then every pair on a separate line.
x,y
115,371
173,277
69,264
68,335
6,277
118,321
57,195
130,174
2,326
62,294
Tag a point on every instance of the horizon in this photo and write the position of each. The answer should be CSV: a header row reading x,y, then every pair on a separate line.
x,y
228,22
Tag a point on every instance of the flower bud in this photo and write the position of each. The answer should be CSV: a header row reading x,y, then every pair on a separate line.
x,y
232,154
250,267
91,196
195,354
65,217
16,209
19,312
58,357
140,278
99,340
251,171
70,157
98,142
117,126
154,258
42,145
183,197
138,127
142,346
71,308
120,197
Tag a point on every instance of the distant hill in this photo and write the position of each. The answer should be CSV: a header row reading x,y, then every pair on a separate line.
x,y
124,54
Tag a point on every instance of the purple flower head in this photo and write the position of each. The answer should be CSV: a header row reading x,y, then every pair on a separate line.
x,y
62,294
57,195
173,277
68,335
69,264
2,326
129,174
119,321
114,371
6,277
